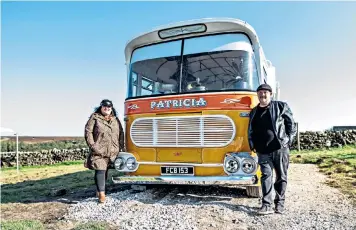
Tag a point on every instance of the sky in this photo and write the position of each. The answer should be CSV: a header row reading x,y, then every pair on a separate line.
x,y
60,59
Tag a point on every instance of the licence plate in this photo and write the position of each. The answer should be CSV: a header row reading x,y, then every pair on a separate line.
x,y
177,170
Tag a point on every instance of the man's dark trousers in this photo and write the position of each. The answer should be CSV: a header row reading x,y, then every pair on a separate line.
x,y
278,160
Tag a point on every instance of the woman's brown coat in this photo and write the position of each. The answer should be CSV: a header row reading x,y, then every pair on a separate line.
x,y
105,139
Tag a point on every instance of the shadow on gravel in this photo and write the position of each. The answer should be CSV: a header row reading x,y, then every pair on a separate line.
x,y
68,188
251,211
197,195
197,192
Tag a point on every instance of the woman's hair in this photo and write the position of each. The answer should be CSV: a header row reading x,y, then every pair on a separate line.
x,y
98,110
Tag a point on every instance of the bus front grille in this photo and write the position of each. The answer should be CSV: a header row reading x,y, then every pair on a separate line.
x,y
183,131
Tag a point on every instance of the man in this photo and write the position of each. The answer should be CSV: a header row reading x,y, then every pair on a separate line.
x,y
271,133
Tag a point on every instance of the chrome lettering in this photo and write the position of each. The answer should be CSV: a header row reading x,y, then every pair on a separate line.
x,y
180,103
201,102
168,103
160,105
175,103
153,104
186,102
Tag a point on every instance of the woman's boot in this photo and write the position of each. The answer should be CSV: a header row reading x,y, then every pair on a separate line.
x,y
101,197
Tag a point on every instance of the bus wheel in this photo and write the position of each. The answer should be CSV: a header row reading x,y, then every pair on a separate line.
x,y
254,191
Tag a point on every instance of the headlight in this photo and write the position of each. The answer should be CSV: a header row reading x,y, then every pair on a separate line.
x,y
248,166
119,163
231,165
131,163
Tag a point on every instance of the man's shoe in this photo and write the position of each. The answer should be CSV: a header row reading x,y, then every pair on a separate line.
x,y
279,209
264,210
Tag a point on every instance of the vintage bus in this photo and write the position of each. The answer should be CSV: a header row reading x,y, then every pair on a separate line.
x,y
190,88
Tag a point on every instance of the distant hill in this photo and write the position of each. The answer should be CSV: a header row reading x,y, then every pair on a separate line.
x,y
38,143
39,139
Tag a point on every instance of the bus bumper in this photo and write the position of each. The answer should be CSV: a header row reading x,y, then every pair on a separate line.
x,y
206,180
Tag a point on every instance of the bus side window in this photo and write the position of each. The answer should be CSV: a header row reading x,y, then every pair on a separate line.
x,y
134,84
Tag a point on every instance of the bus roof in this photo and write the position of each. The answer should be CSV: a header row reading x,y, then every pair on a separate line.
x,y
213,26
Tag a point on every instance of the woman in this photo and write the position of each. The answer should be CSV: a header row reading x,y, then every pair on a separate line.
x,y
105,138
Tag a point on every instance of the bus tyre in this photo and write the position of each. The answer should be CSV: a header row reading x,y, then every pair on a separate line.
x,y
254,191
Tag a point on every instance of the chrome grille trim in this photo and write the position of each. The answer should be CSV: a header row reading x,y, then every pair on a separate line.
x,y
183,131
214,165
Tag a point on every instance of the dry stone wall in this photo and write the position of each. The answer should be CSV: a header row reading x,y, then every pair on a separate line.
x,y
43,157
319,140
308,141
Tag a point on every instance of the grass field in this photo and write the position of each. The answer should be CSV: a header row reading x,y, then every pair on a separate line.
x,y
37,225
21,225
38,182
338,163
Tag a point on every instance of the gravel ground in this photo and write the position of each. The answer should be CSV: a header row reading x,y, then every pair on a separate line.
x,y
310,204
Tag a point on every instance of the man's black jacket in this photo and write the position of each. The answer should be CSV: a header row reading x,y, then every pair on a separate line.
x,y
282,122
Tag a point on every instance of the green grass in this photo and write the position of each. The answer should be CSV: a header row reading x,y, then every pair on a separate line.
x,y
21,225
22,168
37,225
338,163
93,226
35,183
